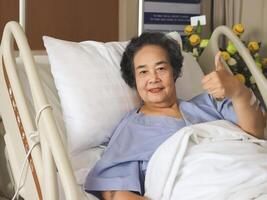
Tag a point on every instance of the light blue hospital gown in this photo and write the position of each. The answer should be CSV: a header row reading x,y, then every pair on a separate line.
x,y
135,139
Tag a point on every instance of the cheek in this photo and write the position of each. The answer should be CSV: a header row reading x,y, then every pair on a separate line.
x,y
141,92
139,85
168,79
140,82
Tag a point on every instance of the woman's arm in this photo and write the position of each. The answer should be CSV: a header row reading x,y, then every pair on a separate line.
x,y
122,195
222,83
249,114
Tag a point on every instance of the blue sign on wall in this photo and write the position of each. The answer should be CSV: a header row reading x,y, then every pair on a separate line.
x,y
169,15
167,18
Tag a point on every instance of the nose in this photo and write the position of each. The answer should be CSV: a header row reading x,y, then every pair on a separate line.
x,y
153,78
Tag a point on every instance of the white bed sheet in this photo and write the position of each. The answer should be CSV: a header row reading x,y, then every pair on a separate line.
x,y
214,160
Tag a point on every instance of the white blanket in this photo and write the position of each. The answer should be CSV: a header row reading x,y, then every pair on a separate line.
x,y
214,160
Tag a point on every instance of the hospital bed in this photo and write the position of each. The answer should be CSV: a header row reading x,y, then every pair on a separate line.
x,y
32,132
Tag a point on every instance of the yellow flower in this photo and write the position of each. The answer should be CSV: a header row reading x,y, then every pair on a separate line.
x,y
253,47
238,29
194,39
231,48
225,55
241,78
188,30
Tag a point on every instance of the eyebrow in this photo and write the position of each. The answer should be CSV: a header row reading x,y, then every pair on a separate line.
x,y
156,64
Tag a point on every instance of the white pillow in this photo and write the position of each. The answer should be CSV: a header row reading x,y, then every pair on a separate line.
x,y
44,72
93,95
188,84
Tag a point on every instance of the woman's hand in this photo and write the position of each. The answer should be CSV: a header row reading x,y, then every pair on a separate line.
x,y
221,83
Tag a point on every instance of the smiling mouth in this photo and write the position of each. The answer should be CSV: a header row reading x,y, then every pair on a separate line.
x,y
155,90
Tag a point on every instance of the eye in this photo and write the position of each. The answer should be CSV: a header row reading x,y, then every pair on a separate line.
x,y
161,68
143,72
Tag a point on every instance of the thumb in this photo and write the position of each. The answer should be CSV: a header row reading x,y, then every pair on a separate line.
x,y
218,63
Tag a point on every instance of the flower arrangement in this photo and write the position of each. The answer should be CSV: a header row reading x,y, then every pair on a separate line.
x,y
194,44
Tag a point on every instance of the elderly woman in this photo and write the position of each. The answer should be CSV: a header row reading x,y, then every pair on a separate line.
x,y
151,63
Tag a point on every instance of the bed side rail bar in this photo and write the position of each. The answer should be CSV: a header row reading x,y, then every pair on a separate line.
x,y
207,64
51,144
18,126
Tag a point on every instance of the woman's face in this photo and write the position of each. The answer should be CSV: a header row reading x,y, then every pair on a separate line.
x,y
154,76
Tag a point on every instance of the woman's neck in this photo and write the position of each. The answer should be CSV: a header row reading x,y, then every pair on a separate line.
x,y
171,111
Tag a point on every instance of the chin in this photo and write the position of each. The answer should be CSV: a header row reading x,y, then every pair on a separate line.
x,y
157,101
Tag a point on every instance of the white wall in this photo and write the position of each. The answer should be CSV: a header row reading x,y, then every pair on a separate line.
x,y
128,19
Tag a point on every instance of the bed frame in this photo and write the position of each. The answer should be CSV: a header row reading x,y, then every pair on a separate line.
x,y
48,158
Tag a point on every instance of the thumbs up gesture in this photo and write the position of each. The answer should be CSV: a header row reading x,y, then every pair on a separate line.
x,y
221,83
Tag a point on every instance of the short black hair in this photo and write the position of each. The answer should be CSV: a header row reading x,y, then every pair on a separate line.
x,y
170,45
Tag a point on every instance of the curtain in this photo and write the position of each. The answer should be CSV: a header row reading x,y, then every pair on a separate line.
x,y
206,9
254,17
252,14
227,12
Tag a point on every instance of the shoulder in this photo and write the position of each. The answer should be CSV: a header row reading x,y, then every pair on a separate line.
x,y
123,123
128,117
206,100
204,105
202,99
